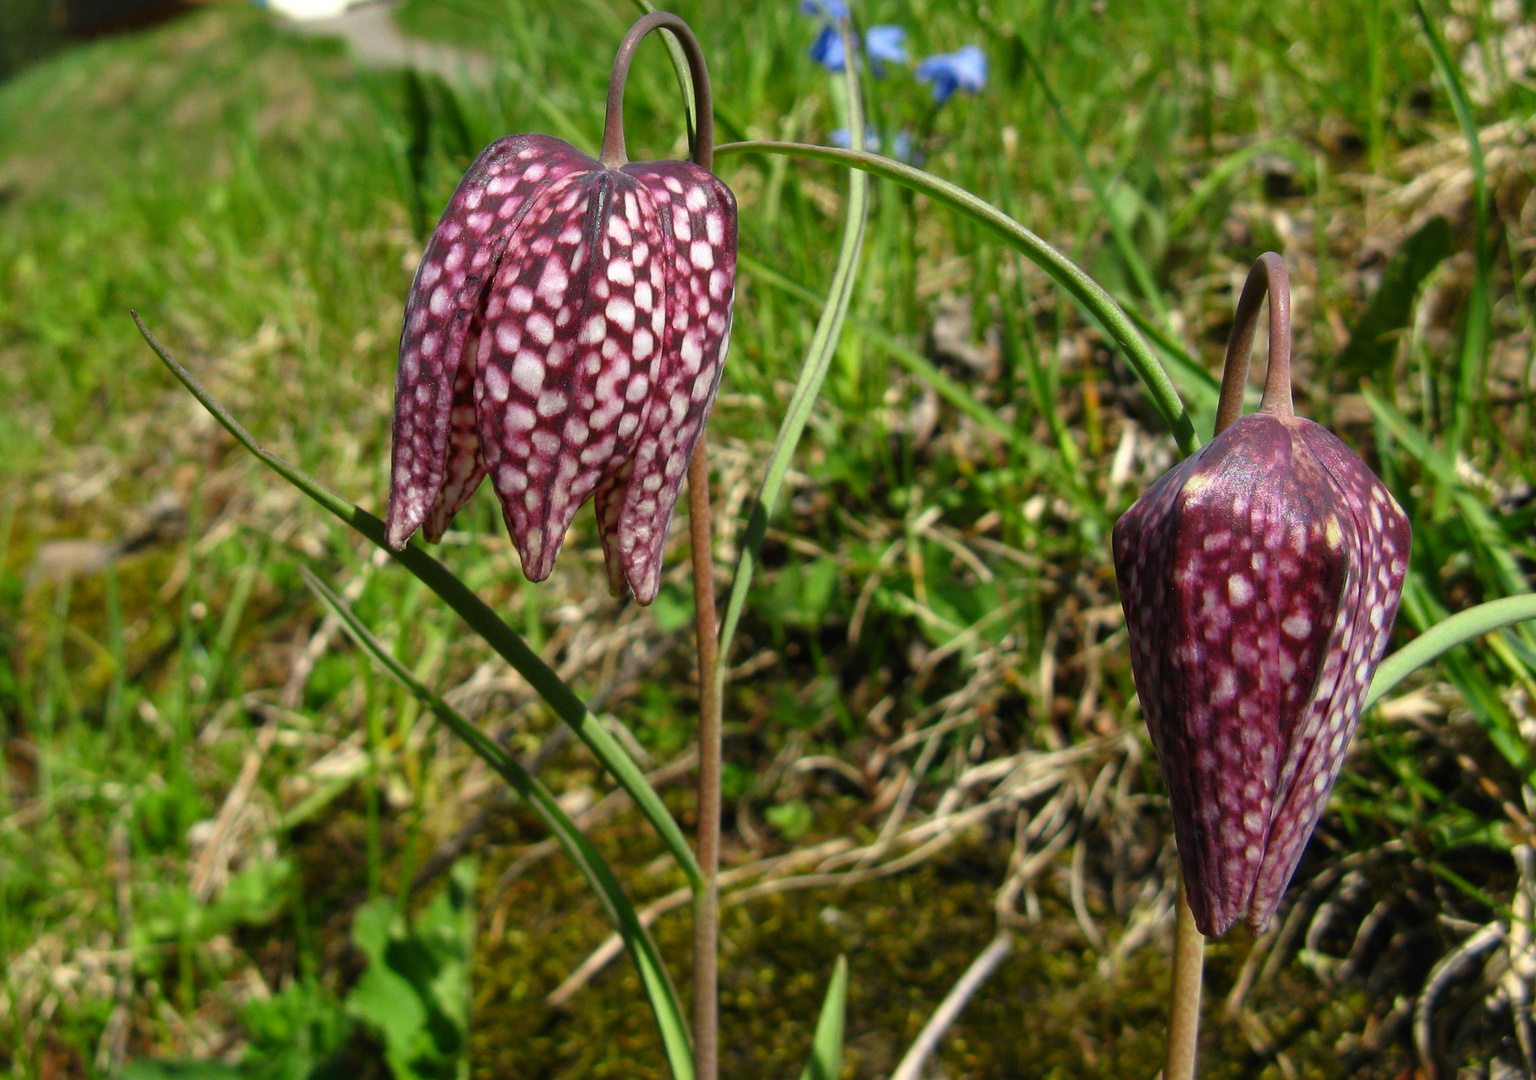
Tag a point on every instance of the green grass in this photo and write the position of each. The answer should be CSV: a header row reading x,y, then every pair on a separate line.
x,y
261,203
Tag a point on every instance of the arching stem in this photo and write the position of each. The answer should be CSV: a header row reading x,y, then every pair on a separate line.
x,y
613,153
1267,276
706,901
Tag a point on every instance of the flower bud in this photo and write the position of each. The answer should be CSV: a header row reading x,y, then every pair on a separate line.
x,y
1260,578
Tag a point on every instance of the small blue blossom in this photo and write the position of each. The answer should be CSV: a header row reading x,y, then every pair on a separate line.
x,y
965,69
885,45
827,50
902,148
827,9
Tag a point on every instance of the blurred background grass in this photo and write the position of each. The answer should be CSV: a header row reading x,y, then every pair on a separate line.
x,y
937,597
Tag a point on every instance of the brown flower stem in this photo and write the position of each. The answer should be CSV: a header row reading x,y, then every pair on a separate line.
x,y
706,900
1267,276
613,152
706,903
1184,997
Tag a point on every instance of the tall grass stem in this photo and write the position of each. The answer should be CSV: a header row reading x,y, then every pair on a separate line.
x,y
1071,277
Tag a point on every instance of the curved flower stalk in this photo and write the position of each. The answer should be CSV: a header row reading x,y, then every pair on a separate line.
x,y
1260,578
564,336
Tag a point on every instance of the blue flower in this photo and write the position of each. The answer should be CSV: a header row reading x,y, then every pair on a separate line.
x,y
840,138
885,45
827,9
827,50
902,147
965,69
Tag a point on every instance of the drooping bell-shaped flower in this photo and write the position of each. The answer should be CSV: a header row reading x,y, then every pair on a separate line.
x,y
564,335
1260,578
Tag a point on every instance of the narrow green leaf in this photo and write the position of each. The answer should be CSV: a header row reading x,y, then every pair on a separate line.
x,y
1071,277
485,622
1447,634
947,388
1474,340
1373,339
827,1045
659,990
1486,533
1222,174
813,372
1196,382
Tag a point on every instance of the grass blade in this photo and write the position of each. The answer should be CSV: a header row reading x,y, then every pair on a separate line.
x,y
1447,634
813,373
1474,341
1066,273
827,1045
659,990
1117,227
485,622
947,388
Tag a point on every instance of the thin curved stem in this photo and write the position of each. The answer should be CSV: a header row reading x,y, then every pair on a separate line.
x,y
613,153
1267,276
1071,277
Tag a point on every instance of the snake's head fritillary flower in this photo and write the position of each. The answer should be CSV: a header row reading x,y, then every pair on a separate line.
x,y
564,335
1260,578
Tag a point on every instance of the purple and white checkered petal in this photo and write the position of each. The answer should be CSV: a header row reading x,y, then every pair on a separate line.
x,y
460,261
1371,530
564,389
697,219
464,467
1247,619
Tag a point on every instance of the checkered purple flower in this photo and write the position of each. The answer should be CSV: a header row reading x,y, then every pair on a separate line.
x,y
1260,578
564,336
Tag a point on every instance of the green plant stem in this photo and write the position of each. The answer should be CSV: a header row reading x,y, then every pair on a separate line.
x,y
485,622
1071,277
1469,380
706,902
1267,276
698,109
813,372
